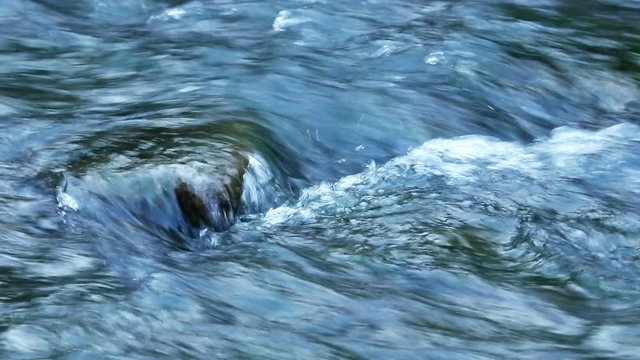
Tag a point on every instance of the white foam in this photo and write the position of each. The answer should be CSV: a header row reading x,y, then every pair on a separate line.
x,y
284,20
286,215
471,162
259,184
67,201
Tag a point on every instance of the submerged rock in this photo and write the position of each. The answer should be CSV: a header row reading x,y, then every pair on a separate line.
x,y
183,184
218,208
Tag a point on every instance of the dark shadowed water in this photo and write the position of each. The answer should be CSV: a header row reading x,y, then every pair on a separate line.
x,y
419,179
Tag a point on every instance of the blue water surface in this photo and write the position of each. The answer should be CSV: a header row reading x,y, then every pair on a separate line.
x,y
424,179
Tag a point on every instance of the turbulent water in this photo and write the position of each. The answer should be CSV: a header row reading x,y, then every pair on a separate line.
x,y
421,179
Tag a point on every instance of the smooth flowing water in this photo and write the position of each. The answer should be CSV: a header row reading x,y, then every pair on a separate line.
x,y
418,179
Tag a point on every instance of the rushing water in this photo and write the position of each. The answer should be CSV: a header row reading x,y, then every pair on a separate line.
x,y
424,179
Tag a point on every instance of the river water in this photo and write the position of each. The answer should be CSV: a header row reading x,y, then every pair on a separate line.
x,y
426,179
